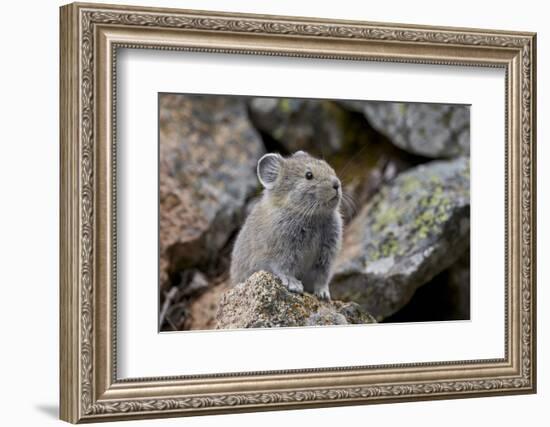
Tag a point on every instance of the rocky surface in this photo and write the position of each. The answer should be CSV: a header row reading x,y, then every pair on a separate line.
x,y
430,130
202,310
404,257
317,126
364,168
208,155
262,301
414,227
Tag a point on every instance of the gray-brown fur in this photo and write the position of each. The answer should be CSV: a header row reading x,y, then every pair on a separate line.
x,y
295,230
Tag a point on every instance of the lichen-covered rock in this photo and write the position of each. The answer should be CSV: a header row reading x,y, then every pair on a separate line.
x,y
431,130
208,155
263,302
318,126
412,229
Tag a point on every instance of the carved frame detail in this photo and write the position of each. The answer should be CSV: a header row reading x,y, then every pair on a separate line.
x,y
90,390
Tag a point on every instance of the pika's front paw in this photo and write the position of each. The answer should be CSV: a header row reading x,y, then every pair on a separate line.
x,y
323,294
292,284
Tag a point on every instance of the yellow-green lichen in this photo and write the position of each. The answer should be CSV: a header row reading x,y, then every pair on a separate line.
x,y
389,247
410,184
284,105
435,211
385,217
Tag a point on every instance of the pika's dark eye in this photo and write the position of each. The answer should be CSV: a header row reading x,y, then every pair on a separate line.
x,y
309,175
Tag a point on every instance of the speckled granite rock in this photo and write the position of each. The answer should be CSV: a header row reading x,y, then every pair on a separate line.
x,y
412,229
431,130
263,302
208,155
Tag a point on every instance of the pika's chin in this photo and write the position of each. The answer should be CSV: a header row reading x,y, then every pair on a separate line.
x,y
333,203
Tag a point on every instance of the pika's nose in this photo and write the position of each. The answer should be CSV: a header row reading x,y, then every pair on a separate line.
x,y
335,183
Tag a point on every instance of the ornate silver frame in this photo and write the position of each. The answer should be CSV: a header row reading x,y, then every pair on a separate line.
x,y
90,36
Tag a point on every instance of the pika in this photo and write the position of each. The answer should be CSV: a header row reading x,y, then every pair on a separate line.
x,y
295,230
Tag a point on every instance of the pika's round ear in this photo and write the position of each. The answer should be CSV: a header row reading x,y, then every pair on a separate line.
x,y
268,169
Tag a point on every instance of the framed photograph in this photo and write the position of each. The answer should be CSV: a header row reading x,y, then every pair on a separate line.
x,y
267,212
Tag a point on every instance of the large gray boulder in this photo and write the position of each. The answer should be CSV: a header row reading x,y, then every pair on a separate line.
x,y
412,229
263,302
317,126
430,130
208,155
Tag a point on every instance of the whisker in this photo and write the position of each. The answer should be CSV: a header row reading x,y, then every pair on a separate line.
x,y
349,198
340,173
349,203
347,211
